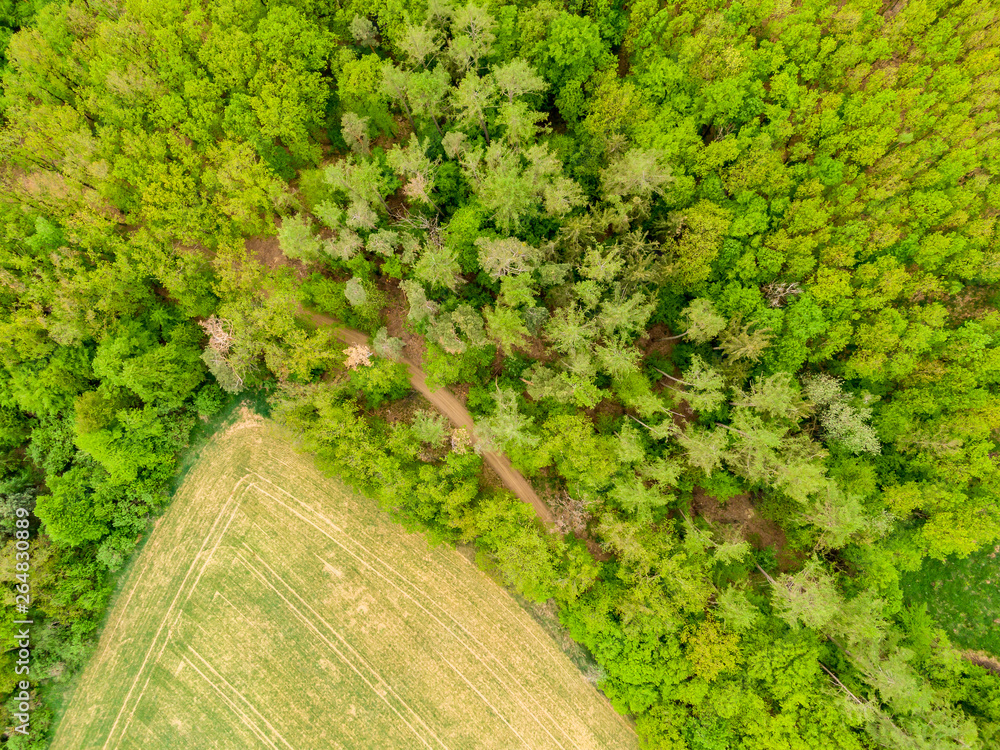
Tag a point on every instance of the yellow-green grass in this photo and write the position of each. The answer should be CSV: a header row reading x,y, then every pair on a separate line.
x,y
963,596
274,608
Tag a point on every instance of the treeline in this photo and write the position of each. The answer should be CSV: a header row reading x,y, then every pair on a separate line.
x,y
742,251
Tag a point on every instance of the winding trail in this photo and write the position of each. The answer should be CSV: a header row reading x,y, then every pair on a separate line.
x,y
446,402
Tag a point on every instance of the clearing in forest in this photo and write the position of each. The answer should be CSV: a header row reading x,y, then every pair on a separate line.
x,y
274,608
962,596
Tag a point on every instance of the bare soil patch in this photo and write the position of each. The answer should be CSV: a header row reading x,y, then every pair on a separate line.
x,y
396,323
461,391
537,349
739,511
656,342
983,659
268,252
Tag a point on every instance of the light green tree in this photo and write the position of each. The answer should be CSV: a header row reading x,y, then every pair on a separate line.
x,y
421,44
355,132
473,33
506,256
506,427
640,172
701,322
473,99
296,239
430,428
506,327
364,32
438,266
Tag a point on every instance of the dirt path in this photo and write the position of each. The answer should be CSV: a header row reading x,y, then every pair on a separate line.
x,y
451,407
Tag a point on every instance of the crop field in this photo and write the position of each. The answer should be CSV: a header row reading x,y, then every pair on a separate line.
x,y
963,597
274,608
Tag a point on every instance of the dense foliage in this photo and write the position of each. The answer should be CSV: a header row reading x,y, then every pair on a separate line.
x,y
721,277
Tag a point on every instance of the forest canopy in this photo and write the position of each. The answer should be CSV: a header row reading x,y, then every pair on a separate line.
x,y
720,278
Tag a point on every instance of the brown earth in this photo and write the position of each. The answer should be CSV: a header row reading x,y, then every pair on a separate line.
x,y
536,349
739,510
394,314
268,252
983,659
657,340
609,407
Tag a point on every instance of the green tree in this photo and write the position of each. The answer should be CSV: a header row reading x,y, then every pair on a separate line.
x,y
72,513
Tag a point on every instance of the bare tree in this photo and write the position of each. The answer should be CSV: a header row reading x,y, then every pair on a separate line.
x,y
358,355
220,333
777,293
